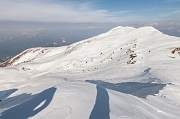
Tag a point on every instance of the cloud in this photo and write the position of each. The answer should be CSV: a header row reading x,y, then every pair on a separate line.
x,y
46,11
172,1
79,11
171,15
152,24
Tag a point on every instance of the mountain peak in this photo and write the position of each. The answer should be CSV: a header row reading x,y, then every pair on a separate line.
x,y
122,45
148,28
121,28
127,29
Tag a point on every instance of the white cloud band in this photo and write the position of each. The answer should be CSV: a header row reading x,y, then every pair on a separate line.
x,y
21,10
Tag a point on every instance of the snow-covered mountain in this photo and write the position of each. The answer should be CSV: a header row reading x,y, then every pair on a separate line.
x,y
124,73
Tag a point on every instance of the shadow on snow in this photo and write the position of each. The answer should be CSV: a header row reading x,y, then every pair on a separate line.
x,y
141,90
4,94
31,107
101,107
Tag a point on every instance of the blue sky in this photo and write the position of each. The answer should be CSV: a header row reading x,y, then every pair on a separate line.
x,y
143,9
85,11
80,19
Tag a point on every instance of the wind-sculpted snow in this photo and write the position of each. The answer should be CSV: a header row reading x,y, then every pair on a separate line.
x,y
146,77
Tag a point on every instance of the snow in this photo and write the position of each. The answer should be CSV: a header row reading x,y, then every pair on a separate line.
x,y
124,73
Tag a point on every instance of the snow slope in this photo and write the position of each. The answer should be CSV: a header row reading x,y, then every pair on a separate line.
x,y
126,72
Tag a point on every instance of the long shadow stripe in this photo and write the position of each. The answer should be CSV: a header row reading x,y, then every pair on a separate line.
x,y
101,107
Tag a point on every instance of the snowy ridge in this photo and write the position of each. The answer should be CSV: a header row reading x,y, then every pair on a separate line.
x,y
26,56
119,45
124,73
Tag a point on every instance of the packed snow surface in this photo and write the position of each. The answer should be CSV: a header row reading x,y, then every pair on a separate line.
x,y
127,72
